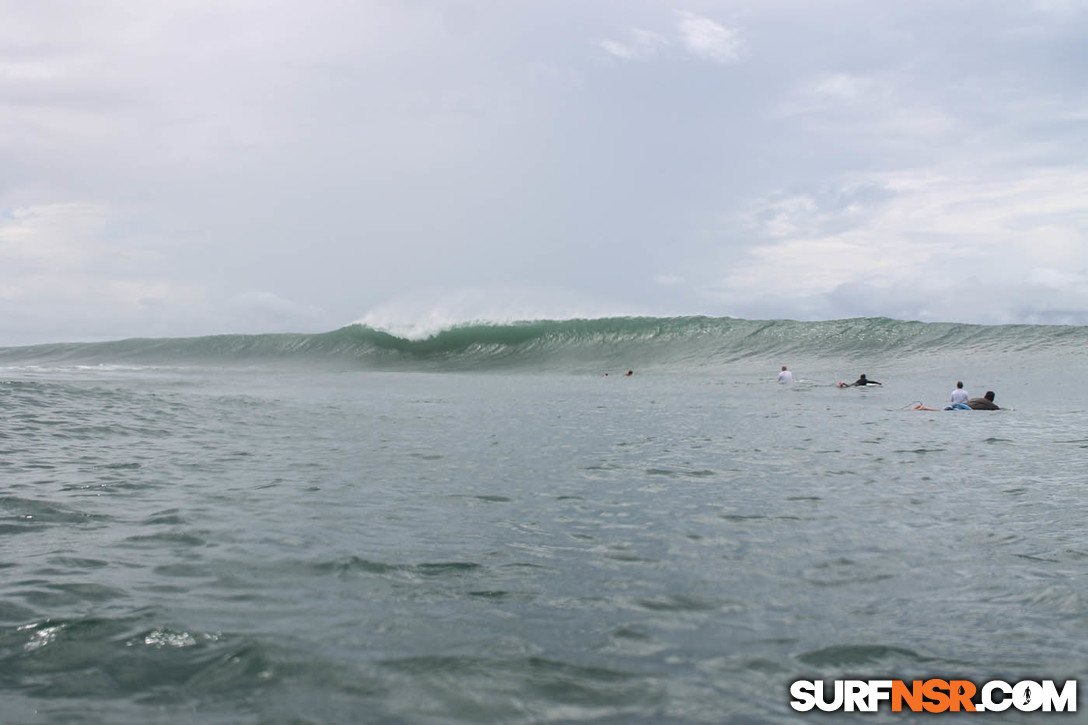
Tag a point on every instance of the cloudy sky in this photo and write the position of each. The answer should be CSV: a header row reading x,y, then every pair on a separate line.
x,y
208,166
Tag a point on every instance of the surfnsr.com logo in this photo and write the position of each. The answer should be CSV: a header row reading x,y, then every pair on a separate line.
x,y
934,696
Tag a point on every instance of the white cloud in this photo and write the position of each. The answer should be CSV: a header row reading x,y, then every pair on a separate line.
x,y
639,45
785,216
52,236
708,39
63,260
618,50
940,248
877,109
696,35
831,92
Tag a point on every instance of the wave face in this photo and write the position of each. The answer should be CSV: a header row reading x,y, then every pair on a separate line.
x,y
552,344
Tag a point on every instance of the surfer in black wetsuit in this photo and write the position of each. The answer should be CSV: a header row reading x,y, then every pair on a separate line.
x,y
860,382
986,402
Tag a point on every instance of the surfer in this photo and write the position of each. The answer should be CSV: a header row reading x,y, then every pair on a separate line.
x,y
629,373
860,383
785,376
986,402
959,395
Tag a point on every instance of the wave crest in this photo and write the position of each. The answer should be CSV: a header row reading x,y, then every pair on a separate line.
x,y
627,341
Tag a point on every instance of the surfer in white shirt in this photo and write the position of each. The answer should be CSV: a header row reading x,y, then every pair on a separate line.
x,y
785,376
959,395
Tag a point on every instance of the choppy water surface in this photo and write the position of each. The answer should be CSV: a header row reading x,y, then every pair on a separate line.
x,y
203,544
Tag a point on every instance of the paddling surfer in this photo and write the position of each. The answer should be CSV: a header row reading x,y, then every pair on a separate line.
x,y
860,383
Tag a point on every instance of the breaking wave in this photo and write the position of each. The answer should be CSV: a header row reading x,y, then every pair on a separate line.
x,y
626,341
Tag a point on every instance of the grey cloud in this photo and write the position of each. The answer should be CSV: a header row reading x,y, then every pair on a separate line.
x,y
276,165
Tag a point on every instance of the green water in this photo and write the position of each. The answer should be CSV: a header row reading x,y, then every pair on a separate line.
x,y
272,543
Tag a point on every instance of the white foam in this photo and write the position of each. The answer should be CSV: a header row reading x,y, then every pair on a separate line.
x,y
426,313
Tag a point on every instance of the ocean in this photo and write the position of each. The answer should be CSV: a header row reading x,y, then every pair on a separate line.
x,y
495,525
